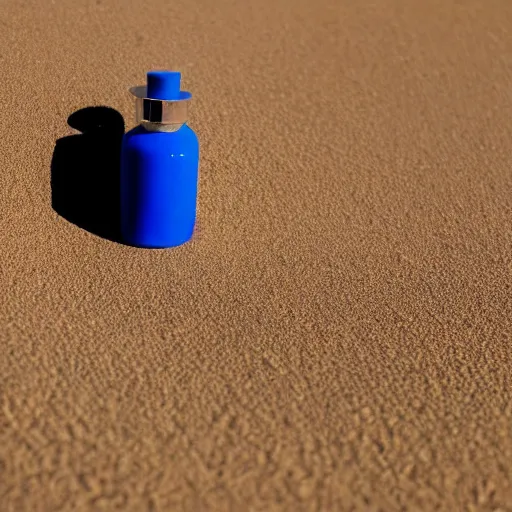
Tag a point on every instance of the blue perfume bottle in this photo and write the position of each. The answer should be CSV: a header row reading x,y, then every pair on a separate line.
x,y
159,166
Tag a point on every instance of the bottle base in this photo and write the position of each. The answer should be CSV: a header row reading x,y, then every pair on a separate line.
x,y
139,244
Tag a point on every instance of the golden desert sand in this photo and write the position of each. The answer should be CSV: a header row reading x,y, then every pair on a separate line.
x,y
337,336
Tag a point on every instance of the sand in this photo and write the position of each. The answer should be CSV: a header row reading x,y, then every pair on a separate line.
x,y
337,336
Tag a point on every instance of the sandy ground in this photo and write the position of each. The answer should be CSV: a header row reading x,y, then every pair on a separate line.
x,y
338,334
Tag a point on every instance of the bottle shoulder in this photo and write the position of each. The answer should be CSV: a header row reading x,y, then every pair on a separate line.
x,y
140,139
184,132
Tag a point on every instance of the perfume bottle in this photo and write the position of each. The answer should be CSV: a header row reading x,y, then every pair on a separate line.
x,y
159,166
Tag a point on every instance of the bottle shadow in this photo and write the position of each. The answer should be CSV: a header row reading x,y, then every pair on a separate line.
x,y
85,172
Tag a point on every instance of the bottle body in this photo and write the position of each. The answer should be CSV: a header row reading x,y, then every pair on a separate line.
x,y
159,178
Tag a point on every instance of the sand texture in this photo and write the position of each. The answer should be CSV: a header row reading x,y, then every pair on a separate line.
x,y
337,336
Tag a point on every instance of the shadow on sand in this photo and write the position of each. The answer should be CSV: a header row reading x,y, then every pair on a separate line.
x,y
85,172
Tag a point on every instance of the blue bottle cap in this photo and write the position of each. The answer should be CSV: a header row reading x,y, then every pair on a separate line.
x,y
161,101
165,86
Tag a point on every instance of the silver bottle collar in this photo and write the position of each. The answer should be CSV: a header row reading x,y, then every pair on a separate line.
x,y
167,112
